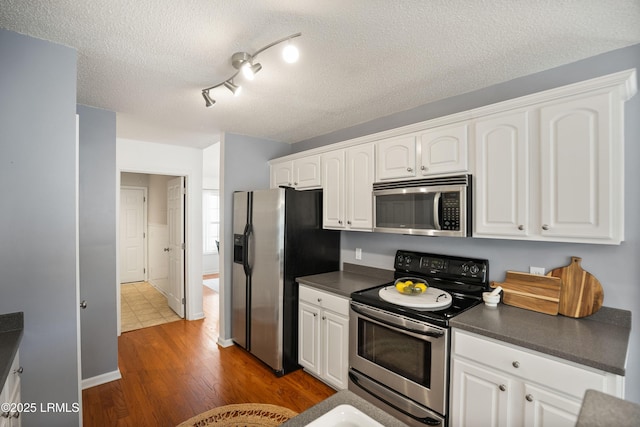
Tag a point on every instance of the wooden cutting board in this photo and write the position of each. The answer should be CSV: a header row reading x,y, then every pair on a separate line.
x,y
581,293
531,292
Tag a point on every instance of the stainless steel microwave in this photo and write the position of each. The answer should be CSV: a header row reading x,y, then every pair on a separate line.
x,y
438,206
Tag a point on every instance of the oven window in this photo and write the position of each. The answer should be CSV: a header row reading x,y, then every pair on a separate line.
x,y
414,210
400,353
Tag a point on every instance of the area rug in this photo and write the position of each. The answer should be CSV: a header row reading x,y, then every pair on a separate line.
x,y
244,414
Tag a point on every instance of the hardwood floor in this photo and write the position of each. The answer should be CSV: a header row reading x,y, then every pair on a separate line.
x,y
174,371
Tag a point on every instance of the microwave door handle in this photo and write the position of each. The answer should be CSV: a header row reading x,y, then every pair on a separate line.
x,y
437,199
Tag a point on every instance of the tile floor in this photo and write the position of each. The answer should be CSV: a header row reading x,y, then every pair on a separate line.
x,y
142,306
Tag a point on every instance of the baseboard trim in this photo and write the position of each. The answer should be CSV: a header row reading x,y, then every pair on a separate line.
x,y
225,343
101,379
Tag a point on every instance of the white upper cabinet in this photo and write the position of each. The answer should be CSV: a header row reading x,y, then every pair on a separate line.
x,y
444,150
502,175
396,158
581,169
553,170
347,183
303,173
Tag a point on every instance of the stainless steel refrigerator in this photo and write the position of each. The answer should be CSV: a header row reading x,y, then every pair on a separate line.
x,y
277,236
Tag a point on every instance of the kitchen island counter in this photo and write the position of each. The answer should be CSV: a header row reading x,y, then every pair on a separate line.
x,y
351,279
600,341
11,327
340,398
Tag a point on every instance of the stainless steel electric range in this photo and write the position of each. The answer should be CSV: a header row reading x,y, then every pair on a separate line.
x,y
399,345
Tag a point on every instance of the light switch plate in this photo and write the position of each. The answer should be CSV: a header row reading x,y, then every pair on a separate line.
x,y
358,253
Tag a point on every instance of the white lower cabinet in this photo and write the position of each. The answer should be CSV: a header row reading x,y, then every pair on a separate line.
x,y
10,395
498,384
323,342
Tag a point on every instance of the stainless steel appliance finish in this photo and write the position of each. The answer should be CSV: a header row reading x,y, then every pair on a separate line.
x,y
438,206
278,236
399,355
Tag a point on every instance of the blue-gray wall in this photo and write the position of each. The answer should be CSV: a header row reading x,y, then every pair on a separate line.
x,y
97,231
245,168
38,233
617,267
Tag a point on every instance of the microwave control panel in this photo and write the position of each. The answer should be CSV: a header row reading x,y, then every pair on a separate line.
x,y
450,211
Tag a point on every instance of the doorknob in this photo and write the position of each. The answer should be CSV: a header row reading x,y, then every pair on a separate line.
x,y
166,249
83,304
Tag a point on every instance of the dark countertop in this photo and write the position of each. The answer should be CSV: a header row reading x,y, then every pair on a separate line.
x,y
352,278
11,327
600,409
600,341
344,397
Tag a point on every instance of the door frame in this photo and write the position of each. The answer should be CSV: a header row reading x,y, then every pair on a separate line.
x,y
145,227
193,285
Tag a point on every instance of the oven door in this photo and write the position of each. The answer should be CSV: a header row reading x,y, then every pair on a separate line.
x,y
404,355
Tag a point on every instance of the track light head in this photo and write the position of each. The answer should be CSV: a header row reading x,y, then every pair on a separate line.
x,y
207,99
235,89
249,70
290,53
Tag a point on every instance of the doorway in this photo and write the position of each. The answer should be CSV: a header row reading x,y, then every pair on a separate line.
x,y
155,294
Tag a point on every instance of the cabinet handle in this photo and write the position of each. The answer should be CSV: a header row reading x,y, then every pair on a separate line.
x,y
16,414
424,168
521,227
516,364
319,299
348,222
340,222
315,314
19,370
295,183
83,305
409,170
5,414
324,318
545,227
502,387
529,398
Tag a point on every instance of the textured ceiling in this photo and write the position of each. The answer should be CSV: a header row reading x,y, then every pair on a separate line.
x,y
148,60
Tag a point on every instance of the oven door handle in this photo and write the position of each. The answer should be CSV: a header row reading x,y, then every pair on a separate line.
x,y
396,322
393,399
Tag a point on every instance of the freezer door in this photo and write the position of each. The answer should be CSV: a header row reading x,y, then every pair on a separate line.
x,y
239,281
266,259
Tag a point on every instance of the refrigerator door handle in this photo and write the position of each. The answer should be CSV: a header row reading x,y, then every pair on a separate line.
x,y
248,231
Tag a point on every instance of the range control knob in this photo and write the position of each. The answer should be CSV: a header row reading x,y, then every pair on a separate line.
x,y
474,269
465,268
407,260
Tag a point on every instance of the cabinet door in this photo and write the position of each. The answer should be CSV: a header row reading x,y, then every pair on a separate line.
x,y
543,408
576,149
396,158
480,397
502,176
359,187
335,348
309,337
444,150
282,175
307,172
333,194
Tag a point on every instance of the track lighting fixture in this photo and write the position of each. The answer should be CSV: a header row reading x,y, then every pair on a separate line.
x,y
245,63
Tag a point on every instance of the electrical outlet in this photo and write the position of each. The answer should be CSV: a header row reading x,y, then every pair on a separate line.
x,y
538,271
358,253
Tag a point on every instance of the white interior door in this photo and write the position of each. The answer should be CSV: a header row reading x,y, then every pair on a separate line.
x,y
132,235
175,222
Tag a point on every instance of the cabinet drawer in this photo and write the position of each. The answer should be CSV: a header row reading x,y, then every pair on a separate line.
x,y
325,300
528,365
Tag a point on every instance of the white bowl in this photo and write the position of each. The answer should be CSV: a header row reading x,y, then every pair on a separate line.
x,y
490,300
